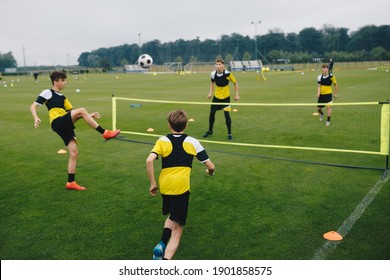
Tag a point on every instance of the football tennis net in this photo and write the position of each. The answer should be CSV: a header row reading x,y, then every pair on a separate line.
x,y
355,127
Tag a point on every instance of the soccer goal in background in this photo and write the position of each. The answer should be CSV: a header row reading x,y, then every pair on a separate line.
x,y
172,67
359,128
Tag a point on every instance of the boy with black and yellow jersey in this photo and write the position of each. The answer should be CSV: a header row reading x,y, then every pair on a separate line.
x,y
177,151
62,118
220,86
325,93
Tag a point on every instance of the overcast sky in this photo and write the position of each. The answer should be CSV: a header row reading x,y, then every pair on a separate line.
x,y
57,32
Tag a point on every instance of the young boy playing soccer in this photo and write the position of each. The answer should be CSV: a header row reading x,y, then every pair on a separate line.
x,y
324,92
62,118
177,151
220,87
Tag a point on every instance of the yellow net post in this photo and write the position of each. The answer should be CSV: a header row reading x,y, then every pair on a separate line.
x,y
385,129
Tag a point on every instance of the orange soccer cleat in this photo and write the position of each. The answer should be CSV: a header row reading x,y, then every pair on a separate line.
x,y
74,186
108,134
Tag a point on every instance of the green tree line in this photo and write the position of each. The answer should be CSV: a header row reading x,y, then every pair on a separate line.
x,y
367,43
7,60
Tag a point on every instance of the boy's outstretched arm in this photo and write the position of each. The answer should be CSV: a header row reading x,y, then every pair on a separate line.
x,y
150,170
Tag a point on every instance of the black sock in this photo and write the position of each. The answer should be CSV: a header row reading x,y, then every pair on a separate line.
x,y
328,119
166,235
100,129
71,177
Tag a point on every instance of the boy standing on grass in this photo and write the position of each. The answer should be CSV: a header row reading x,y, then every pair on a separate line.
x,y
177,151
324,92
220,87
62,118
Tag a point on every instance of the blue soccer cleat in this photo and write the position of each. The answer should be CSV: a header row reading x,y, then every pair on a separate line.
x,y
158,251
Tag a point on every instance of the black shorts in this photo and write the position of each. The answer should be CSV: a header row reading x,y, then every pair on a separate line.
x,y
64,127
176,206
324,98
220,107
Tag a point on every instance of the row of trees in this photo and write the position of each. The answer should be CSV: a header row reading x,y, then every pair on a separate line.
x,y
368,43
7,60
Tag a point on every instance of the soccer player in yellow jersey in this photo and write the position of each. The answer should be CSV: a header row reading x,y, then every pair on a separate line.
x,y
220,86
62,118
325,93
177,151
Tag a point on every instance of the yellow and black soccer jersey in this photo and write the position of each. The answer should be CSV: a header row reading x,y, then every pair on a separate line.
x,y
222,83
57,104
325,83
177,152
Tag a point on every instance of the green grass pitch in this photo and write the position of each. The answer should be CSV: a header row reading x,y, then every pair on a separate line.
x,y
253,208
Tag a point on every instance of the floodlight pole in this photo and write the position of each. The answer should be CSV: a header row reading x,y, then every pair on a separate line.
x,y
67,62
139,44
255,23
24,57
169,51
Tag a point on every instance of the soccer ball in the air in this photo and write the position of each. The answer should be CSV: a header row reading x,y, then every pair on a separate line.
x,y
145,61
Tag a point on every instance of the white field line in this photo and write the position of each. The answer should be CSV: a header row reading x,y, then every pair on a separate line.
x,y
329,246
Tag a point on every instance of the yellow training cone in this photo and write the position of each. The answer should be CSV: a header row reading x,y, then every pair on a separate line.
x,y
191,120
227,109
150,129
315,114
61,151
333,236
235,110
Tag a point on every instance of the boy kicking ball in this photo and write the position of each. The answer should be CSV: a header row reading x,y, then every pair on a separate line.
x,y
62,118
177,151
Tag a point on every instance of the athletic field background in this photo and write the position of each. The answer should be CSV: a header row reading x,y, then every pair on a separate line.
x,y
255,207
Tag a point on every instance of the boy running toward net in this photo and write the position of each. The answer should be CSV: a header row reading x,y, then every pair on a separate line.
x,y
62,118
177,151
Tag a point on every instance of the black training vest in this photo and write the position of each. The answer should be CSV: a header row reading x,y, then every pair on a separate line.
x,y
178,156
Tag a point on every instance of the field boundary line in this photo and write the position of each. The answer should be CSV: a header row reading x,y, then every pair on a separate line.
x,y
329,246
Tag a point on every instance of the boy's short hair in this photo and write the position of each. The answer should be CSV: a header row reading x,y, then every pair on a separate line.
x,y
325,66
177,120
56,76
220,60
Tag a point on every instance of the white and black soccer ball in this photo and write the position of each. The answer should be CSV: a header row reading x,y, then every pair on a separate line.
x,y
145,61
